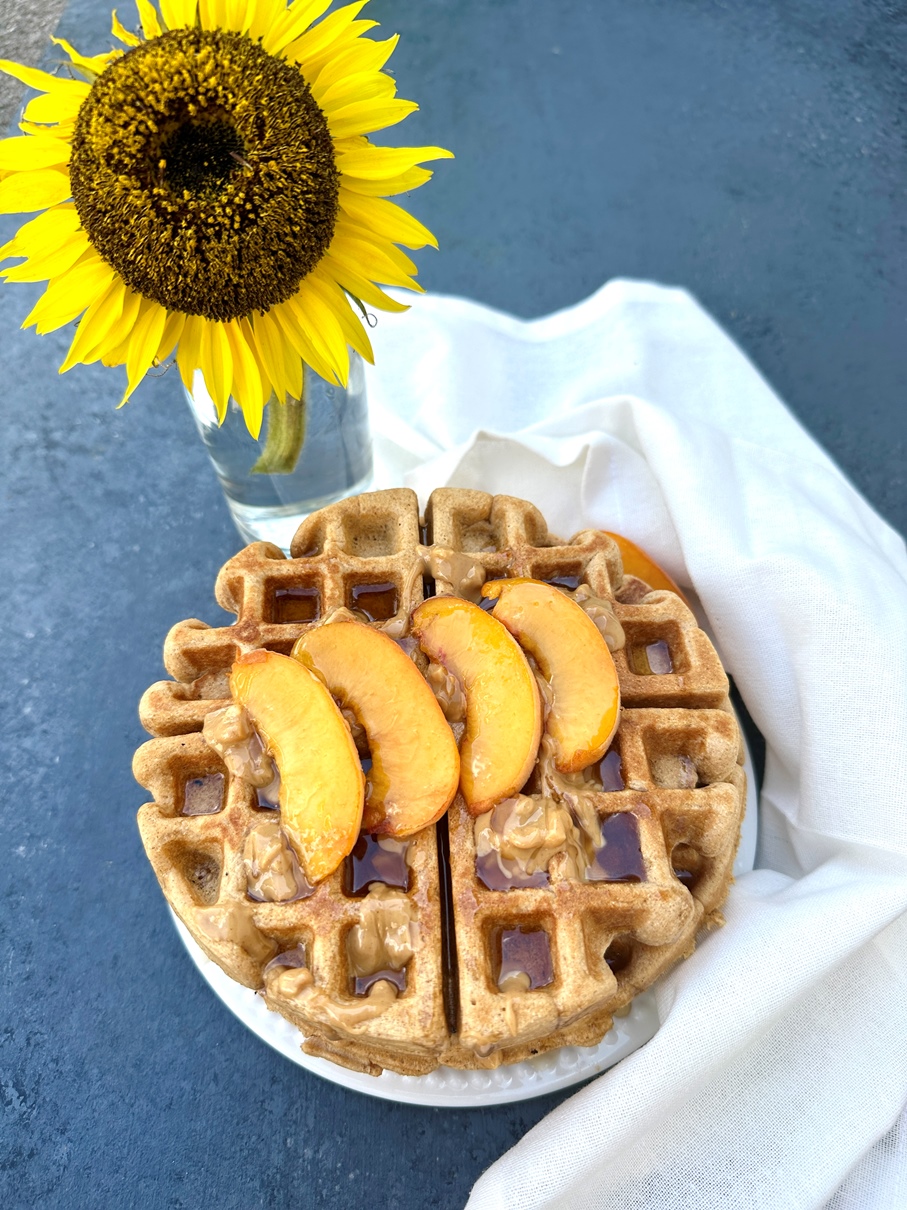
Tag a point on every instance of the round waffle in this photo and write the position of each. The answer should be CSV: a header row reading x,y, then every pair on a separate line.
x,y
670,812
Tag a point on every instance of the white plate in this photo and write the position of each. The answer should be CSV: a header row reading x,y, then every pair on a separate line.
x,y
466,1089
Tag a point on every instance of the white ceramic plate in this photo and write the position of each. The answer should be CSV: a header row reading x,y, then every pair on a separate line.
x,y
466,1089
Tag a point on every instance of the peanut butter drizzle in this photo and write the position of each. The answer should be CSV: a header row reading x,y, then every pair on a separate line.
x,y
384,939
511,987
601,611
298,984
232,736
233,922
450,697
526,833
464,574
273,872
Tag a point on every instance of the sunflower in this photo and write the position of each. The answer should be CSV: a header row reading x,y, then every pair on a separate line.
x,y
210,192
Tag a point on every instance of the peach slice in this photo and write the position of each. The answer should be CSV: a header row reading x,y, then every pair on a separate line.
x,y
321,784
503,707
573,657
637,563
415,763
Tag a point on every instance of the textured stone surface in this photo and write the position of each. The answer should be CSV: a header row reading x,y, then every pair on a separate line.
x,y
748,152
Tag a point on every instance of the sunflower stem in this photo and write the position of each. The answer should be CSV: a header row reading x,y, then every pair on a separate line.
x,y
284,439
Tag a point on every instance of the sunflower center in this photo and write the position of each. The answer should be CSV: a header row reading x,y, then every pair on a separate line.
x,y
203,171
201,158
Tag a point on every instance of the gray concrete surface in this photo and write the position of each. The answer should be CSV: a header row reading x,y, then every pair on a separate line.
x,y
750,152
26,27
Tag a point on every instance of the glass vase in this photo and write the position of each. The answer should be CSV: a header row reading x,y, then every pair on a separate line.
x,y
335,458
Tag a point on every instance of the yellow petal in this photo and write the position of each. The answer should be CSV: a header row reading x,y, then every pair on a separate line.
x,y
217,366
281,360
143,343
289,317
247,385
187,354
320,323
336,299
52,107
170,337
42,81
23,192
44,233
69,294
50,262
386,219
177,14
325,32
92,67
403,183
25,153
293,23
91,338
363,55
151,26
359,86
358,286
384,250
365,258
265,15
366,116
312,64
127,37
381,163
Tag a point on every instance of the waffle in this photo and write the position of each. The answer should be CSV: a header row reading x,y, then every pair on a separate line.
x,y
672,806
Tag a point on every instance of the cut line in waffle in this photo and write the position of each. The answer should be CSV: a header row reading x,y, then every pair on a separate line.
x,y
606,940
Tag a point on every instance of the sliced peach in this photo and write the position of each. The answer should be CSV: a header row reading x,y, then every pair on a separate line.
x,y
415,763
321,784
573,657
503,707
637,563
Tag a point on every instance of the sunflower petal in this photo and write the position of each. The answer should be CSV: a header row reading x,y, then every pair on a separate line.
x,y
119,31
49,262
293,23
216,364
69,294
335,298
405,183
248,390
366,116
151,26
265,14
358,286
177,14
143,343
322,323
380,163
90,67
363,55
42,81
291,320
171,335
386,250
23,192
187,353
363,257
386,219
319,38
357,86
25,153
94,327
54,107
44,232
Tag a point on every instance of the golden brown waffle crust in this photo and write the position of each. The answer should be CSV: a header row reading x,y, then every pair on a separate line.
x,y
377,541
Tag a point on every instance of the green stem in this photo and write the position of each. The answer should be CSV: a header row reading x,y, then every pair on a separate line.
x,y
284,439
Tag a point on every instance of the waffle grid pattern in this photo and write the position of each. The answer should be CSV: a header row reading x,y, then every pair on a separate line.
x,y
368,551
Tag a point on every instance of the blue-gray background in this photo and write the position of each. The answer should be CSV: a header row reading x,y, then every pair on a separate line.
x,y
752,152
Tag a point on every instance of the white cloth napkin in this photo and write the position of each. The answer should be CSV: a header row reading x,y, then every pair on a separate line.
x,y
780,1068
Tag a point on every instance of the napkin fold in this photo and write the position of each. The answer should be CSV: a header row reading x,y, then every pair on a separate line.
x,y
779,1072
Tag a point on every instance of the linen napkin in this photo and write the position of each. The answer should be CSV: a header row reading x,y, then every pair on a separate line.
x,y
779,1071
